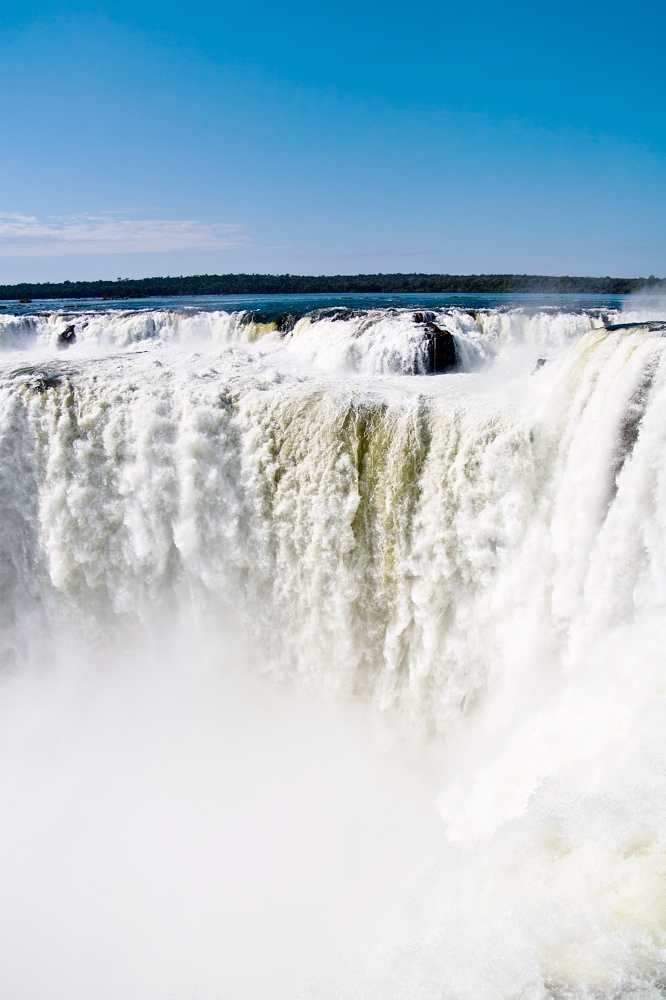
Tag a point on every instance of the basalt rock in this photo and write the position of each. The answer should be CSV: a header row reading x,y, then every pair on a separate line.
x,y
67,337
441,351
286,322
652,325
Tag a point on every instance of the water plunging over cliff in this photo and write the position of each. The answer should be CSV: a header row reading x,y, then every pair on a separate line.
x,y
218,524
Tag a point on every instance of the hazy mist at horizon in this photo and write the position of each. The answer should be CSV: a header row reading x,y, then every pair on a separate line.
x,y
154,139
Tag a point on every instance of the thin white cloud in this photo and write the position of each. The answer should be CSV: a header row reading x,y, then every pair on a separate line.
x,y
67,235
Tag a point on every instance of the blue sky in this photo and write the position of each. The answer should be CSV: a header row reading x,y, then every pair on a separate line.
x,y
147,138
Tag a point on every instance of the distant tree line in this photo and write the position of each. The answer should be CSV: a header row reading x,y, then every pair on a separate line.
x,y
293,284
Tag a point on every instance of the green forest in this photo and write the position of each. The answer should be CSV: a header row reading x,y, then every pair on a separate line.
x,y
291,284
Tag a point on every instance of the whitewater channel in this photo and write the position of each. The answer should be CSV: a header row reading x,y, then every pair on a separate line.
x,y
324,676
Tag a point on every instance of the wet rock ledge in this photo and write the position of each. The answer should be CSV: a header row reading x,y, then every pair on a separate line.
x,y
441,353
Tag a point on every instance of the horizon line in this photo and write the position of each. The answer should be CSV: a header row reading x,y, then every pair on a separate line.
x,y
377,283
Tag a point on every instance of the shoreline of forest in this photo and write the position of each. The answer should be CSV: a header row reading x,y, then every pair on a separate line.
x,y
359,284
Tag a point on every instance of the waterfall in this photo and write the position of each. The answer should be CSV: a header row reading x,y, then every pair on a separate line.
x,y
472,564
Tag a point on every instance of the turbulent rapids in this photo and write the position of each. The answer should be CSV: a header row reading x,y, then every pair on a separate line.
x,y
466,557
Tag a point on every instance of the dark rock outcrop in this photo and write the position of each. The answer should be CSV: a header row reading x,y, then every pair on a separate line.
x,y
67,337
653,325
286,322
441,353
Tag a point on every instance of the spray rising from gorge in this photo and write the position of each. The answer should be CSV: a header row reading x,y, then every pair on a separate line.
x,y
233,543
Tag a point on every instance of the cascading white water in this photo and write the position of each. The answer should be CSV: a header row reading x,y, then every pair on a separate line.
x,y
477,558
